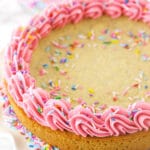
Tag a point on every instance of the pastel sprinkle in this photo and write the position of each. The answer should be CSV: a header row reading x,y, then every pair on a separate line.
x,y
107,42
70,56
80,100
53,60
39,109
48,48
74,87
47,148
91,35
69,53
141,75
91,91
126,1
63,60
113,119
15,53
55,148
130,98
58,53
115,96
73,45
81,45
58,97
58,106
58,85
115,41
134,112
147,94
63,72
137,51
81,36
113,35
124,45
51,112
56,68
42,72
101,38
51,83
103,107
57,45
96,102
125,92
105,31
30,39
45,66
145,57
146,86
135,85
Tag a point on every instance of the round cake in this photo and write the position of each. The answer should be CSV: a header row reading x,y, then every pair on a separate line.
x,y
78,75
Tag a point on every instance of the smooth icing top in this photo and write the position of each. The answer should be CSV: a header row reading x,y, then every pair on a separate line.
x,y
37,103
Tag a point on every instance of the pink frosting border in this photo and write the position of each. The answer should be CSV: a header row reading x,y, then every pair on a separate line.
x,y
60,115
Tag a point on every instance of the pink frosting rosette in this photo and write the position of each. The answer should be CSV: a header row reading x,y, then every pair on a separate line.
x,y
56,114
20,82
57,17
146,14
41,24
11,49
133,10
93,9
26,37
83,122
143,3
113,9
141,115
12,67
75,12
33,103
117,121
24,40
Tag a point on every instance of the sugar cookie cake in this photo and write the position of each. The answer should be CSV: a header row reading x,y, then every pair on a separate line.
x,y
78,75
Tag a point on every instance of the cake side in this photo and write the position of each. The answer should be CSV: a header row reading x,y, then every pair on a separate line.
x,y
66,140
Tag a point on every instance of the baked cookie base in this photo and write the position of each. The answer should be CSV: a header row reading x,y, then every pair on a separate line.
x,y
69,141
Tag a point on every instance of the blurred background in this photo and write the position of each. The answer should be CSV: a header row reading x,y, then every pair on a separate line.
x,y
14,13
17,12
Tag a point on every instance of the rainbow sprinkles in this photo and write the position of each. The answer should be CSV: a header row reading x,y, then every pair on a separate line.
x,y
63,56
52,110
